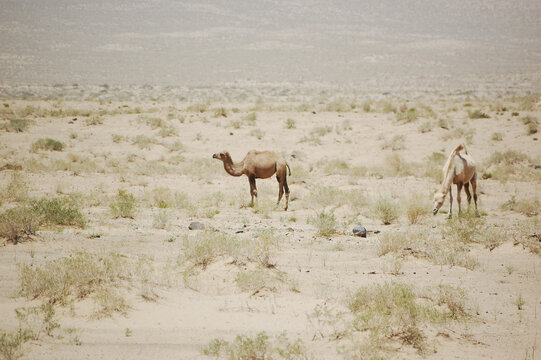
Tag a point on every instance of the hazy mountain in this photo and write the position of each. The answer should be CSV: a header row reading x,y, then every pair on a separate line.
x,y
207,42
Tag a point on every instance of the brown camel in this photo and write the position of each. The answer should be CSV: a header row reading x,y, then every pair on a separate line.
x,y
460,170
258,165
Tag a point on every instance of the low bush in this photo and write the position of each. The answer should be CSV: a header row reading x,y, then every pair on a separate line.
x,y
395,311
386,210
17,125
529,207
477,114
58,211
74,277
257,347
47,144
325,223
123,204
18,223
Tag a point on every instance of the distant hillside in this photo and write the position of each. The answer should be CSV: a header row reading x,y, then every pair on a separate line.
x,y
208,42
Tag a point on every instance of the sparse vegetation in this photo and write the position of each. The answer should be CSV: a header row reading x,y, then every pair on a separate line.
x,y
325,223
417,207
394,311
425,127
398,142
18,223
47,144
510,165
290,124
531,124
257,347
406,114
529,207
386,210
78,276
257,133
58,211
17,125
123,204
477,114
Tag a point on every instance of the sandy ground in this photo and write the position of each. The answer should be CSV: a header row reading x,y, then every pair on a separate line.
x,y
184,317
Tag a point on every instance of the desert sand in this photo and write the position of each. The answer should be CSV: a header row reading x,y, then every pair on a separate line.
x,y
346,154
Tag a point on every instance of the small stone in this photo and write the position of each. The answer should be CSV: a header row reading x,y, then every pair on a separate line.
x,y
239,231
359,230
196,225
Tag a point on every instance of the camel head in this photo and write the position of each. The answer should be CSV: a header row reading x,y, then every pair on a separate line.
x,y
224,155
439,198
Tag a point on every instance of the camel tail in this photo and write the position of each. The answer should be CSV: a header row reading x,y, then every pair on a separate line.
x,y
288,169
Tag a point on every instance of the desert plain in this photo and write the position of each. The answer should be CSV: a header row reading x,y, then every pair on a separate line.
x,y
98,190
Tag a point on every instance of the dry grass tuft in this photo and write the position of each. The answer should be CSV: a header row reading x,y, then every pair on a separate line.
x,y
385,209
71,278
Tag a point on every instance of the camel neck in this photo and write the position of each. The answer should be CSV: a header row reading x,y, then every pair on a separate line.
x,y
232,168
448,180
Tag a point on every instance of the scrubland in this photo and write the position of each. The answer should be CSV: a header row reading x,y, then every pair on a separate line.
x,y
97,261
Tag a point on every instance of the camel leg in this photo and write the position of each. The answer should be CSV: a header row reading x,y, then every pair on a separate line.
x,y
473,182
450,202
287,192
253,188
280,188
468,194
458,197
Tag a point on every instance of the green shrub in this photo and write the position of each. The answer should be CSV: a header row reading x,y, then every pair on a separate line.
x,y
290,124
17,223
11,343
18,125
47,144
59,211
123,205
407,115
202,249
529,207
393,311
464,228
75,277
478,114
386,210
257,348
325,223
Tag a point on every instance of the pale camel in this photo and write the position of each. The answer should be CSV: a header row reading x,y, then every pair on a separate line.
x,y
258,165
460,170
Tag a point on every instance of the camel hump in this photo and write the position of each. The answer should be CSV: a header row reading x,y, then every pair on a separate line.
x,y
460,147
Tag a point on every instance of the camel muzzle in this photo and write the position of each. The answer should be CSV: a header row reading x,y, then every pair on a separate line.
x,y
214,156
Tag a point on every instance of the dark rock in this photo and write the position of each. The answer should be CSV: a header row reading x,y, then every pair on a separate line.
x,y
359,230
239,231
196,225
